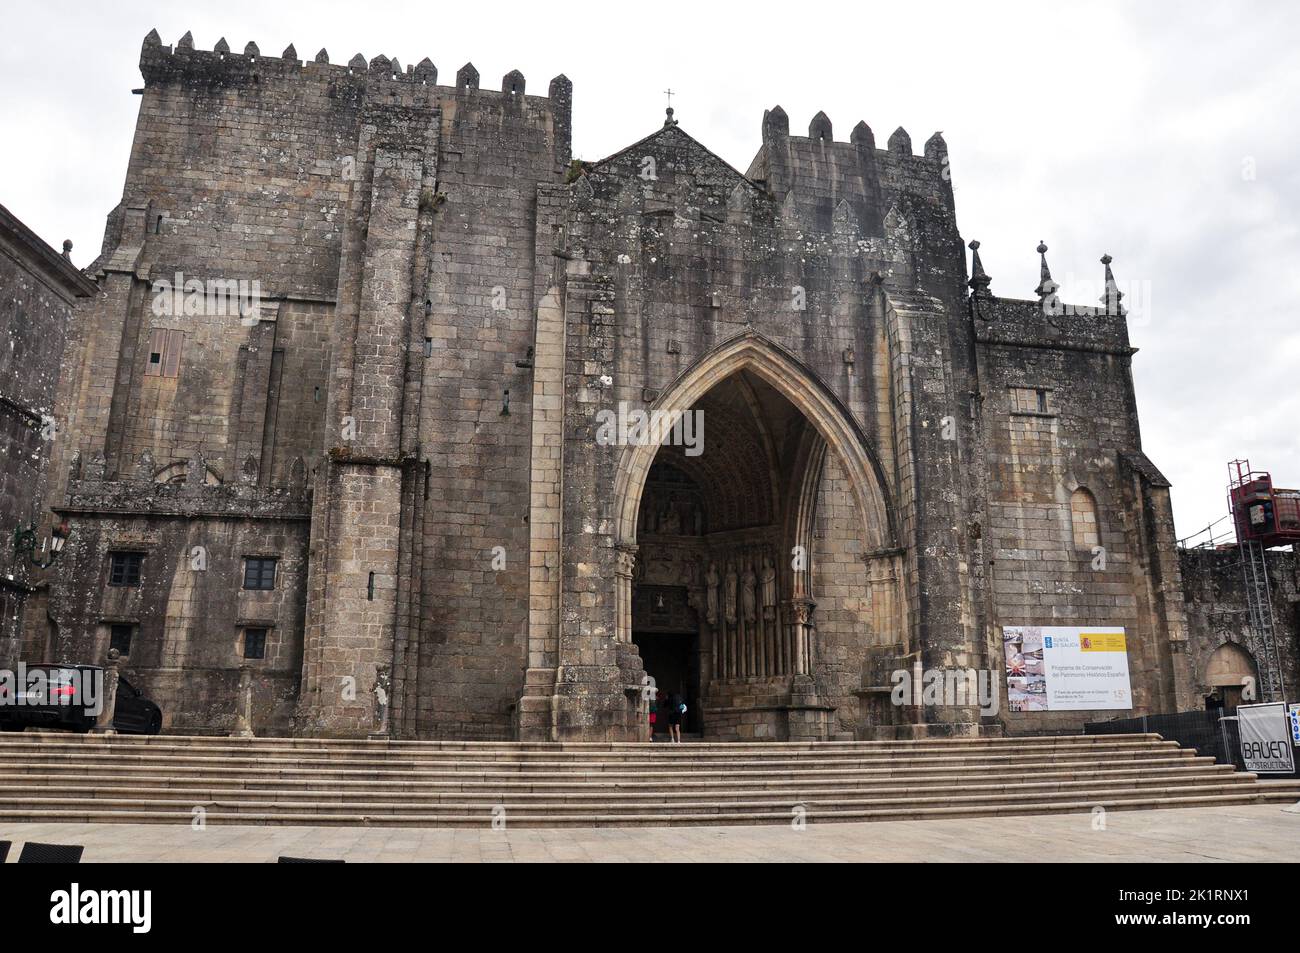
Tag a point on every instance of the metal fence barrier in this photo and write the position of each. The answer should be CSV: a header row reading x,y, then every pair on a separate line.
x,y
1209,732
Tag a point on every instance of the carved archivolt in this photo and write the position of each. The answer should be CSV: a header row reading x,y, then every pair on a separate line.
x,y
776,367
729,531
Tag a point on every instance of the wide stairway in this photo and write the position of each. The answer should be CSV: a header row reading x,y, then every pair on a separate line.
x,y
53,777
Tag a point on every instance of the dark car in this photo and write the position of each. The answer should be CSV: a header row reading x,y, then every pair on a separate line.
x,y
65,696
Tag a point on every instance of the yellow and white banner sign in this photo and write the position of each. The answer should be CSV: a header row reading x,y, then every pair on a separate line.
x,y
1066,668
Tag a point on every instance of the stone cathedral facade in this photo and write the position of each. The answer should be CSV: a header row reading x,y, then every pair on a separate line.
x,y
376,483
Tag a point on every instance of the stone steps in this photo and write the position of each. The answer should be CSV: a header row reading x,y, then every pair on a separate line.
x,y
746,760
866,774
577,782
1199,768
638,802
372,801
95,779
587,753
85,815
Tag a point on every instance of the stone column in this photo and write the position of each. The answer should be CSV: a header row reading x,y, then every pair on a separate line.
x,y
931,370
598,688
534,715
801,626
355,587
708,647
104,724
381,692
769,640
1153,535
244,704
808,718
764,640
625,567
720,641
715,651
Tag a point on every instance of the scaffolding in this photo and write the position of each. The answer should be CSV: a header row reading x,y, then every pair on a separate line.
x,y
1259,601
1214,536
1263,516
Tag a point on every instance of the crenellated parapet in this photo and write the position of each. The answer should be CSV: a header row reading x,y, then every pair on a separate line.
x,y
212,121
816,177
891,206
220,66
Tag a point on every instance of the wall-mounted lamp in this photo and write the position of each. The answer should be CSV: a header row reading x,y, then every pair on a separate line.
x,y
25,543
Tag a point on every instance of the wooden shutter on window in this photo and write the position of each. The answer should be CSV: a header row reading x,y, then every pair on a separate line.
x,y
172,354
156,339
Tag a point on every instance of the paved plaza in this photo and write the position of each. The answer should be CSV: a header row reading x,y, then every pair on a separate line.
x,y
1194,835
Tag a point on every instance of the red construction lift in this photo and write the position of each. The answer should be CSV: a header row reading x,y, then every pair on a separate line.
x,y
1264,516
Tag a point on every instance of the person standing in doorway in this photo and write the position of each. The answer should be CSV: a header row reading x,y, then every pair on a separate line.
x,y
676,709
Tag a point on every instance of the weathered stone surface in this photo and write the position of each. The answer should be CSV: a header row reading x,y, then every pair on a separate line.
x,y
894,459
1222,647
39,289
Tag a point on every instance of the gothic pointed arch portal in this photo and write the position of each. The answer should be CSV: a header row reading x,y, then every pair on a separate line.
x,y
776,366
717,584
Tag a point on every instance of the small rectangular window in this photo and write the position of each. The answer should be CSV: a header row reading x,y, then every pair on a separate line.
x,y
164,353
255,643
1031,400
120,639
124,569
259,573
157,340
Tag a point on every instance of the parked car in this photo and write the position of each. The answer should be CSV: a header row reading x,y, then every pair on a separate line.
x,y
63,699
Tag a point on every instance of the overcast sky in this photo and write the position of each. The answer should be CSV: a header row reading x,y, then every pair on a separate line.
x,y
1166,134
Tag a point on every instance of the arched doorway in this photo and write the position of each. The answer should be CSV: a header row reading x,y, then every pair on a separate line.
x,y
1228,671
725,550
